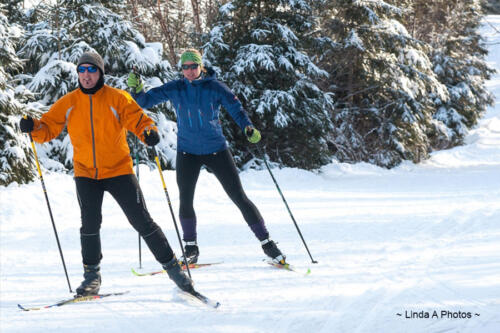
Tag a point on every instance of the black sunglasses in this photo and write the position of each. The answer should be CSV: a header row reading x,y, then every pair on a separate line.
x,y
190,66
82,69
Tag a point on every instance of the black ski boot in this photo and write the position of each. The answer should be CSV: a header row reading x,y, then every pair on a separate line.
x,y
92,281
272,251
192,252
176,274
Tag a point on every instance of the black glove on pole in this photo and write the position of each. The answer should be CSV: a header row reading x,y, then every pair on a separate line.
x,y
157,160
26,124
46,197
284,200
151,137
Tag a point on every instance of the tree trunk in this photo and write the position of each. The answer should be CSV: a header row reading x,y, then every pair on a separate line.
x,y
196,15
163,20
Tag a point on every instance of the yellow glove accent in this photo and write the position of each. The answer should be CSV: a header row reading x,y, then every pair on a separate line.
x,y
134,81
253,135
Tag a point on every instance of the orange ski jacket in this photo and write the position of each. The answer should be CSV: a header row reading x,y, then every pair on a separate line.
x,y
97,126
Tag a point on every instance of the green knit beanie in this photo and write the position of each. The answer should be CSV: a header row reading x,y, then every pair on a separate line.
x,y
191,55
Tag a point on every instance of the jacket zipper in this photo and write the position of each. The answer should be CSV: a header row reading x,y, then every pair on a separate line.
x,y
93,137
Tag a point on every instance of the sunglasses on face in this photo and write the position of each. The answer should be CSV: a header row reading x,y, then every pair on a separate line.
x,y
190,66
90,69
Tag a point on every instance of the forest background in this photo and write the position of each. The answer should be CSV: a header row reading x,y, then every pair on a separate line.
x,y
350,80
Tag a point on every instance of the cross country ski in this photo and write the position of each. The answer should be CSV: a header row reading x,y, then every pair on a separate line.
x,y
287,267
75,299
191,266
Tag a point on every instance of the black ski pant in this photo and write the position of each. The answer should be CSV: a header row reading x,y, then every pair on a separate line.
x,y
127,193
222,165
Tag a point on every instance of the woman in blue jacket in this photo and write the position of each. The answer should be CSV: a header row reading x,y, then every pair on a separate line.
x,y
197,99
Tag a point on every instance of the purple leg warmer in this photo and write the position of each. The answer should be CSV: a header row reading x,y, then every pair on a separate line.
x,y
260,231
188,228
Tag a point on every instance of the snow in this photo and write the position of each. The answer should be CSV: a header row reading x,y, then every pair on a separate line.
x,y
411,240
143,59
354,41
226,9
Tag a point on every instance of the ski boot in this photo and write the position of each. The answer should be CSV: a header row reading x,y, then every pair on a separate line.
x,y
272,251
192,252
176,274
92,281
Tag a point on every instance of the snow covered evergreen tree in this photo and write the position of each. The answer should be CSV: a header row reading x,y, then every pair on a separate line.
x,y
12,9
458,56
15,162
491,6
383,82
116,6
57,37
259,48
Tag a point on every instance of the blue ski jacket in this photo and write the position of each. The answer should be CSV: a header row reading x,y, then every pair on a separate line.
x,y
197,105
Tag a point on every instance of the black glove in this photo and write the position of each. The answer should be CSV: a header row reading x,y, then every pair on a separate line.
x,y
151,137
26,124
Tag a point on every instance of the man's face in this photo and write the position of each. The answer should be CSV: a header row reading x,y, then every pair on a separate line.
x,y
88,75
189,72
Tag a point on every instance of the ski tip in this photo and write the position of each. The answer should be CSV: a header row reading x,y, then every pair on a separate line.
x,y
139,274
28,309
136,273
21,307
213,304
202,298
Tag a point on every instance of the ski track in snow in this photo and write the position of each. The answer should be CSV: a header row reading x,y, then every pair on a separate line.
x,y
415,238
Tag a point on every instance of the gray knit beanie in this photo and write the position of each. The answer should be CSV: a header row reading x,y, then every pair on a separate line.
x,y
93,59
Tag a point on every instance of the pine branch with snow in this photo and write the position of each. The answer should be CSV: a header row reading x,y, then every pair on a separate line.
x,y
16,163
259,48
383,81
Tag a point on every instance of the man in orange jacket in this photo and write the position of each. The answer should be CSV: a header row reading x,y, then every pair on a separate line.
x,y
98,117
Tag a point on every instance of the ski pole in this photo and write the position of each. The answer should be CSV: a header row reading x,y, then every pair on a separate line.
x,y
137,174
48,206
134,70
157,160
286,204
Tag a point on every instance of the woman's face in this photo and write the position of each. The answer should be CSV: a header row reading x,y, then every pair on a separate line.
x,y
191,70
